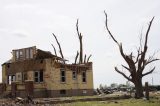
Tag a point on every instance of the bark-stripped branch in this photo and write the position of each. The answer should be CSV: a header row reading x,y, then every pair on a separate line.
x,y
60,50
150,61
54,49
126,68
89,58
76,57
85,58
122,74
142,58
81,43
106,22
149,72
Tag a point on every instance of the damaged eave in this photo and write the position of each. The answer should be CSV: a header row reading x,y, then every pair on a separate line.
x,y
46,54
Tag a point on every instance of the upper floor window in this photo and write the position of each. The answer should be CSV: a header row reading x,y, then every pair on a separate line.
x,y
17,54
83,76
38,76
20,54
63,75
74,75
29,53
24,76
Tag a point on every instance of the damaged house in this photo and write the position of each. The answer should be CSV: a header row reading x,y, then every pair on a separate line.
x,y
41,74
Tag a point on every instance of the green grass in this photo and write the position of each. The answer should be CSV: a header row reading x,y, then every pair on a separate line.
x,y
126,102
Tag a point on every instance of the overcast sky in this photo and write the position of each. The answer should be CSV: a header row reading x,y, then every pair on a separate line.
x,y
25,23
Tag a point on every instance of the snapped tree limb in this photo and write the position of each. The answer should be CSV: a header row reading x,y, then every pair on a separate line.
x,y
76,57
89,58
85,58
54,49
60,50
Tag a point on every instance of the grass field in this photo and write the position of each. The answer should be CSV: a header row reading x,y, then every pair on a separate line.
x,y
154,101
127,102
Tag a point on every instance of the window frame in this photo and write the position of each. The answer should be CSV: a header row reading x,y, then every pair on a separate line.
x,y
11,78
84,76
17,54
39,78
63,77
30,53
74,75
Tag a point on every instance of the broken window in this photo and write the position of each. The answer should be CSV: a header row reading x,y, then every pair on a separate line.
x,y
74,75
31,53
27,53
38,76
63,76
17,55
83,76
19,76
24,76
62,92
11,78
20,54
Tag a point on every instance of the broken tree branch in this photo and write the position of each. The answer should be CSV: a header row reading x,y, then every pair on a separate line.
x,y
149,72
106,22
116,69
142,58
89,58
60,50
150,61
126,68
54,49
76,57
85,58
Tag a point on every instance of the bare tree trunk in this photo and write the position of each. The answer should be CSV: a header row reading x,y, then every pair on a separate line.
x,y
139,88
81,50
81,44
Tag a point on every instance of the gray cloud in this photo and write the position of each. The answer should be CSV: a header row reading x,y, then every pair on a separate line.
x,y
20,35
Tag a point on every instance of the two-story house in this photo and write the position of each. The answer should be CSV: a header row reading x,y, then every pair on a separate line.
x,y
39,73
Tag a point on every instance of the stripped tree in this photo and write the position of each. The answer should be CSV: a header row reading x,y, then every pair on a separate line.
x,y
81,43
136,63
60,50
81,48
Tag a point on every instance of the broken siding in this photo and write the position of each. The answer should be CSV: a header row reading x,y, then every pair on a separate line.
x,y
24,66
24,55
